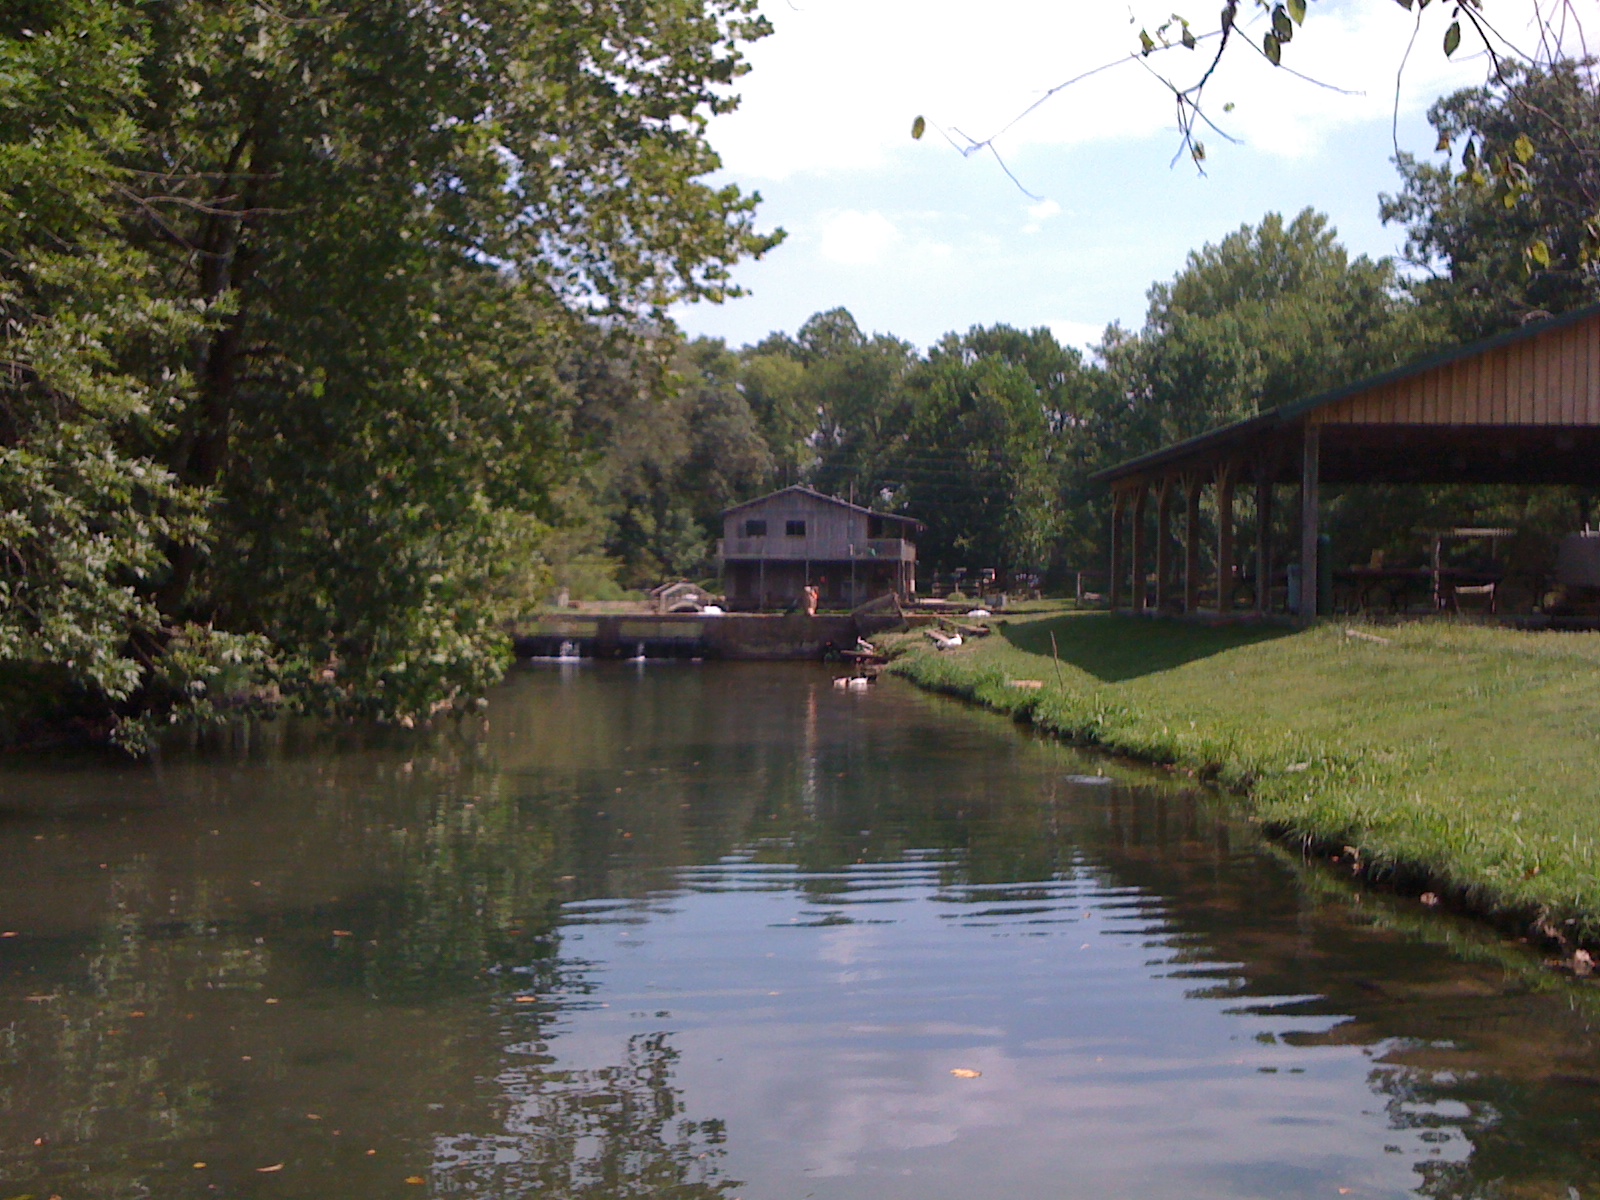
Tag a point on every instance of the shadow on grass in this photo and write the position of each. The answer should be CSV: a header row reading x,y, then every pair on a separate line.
x,y
1115,648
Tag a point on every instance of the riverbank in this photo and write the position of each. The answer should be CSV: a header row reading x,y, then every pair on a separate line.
x,y
1449,760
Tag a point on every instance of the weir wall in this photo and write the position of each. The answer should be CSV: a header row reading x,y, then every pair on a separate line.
x,y
757,637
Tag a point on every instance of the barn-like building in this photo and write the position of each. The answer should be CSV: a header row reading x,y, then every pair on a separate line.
x,y
774,546
1519,408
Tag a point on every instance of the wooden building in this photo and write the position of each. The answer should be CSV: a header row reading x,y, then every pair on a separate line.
x,y
1519,408
774,546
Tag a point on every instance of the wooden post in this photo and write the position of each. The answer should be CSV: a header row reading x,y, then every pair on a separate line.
x,y
1164,544
1119,500
1140,594
1192,485
1263,539
1225,480
1310,518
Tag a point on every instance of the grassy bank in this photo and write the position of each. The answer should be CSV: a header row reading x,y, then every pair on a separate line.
x,y
1455,758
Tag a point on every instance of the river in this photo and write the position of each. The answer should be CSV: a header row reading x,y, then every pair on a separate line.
x,y
681,931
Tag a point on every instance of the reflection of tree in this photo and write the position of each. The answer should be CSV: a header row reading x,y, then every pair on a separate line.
x,y
448,871
89,1071
469,885
607,1134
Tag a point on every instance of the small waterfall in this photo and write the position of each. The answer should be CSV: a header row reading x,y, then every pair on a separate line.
x,y
569,652
638,653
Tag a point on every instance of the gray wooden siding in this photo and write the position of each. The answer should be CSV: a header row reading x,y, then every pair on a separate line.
x,y
833,533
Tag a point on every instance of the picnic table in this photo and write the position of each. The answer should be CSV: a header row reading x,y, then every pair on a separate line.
x,y
1444,585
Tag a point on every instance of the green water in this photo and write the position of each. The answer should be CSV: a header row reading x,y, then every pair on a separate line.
x,y
690,931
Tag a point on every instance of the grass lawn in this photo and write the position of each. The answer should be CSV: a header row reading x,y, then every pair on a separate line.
x,y
1456,756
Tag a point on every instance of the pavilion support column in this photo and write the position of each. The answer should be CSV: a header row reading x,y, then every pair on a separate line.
x,y
1164,544
1192,486
1226,473
1263,541
1310,518
1119,501
1141,594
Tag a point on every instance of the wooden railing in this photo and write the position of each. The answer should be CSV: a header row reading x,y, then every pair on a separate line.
x,y
770,548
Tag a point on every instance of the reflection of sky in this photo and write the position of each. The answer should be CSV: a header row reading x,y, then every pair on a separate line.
x,y
827,1039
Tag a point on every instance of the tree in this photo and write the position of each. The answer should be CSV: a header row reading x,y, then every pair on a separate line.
x,y
1270,314
729,458
773,381
1513,233
972,461
93,367
387,226
852,382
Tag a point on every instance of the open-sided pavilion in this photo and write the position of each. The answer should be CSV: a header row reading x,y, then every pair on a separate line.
x,y
1519,408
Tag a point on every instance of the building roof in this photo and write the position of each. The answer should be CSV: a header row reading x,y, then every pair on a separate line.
x,y
813,494
1251,428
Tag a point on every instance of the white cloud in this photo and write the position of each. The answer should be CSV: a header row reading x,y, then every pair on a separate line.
x,y
1039,213
838,83
858,239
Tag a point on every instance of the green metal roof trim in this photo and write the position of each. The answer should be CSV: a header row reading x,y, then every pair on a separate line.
x,y
1285,413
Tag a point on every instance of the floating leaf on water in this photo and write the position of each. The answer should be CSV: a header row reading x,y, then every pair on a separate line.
x,y
965,1073
342,933
269,1170
415,1179
199,1166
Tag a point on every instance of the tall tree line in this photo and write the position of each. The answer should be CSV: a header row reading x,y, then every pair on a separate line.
x,y
296,304
989,436
334,334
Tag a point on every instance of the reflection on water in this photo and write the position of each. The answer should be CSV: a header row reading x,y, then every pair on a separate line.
x,y
694,932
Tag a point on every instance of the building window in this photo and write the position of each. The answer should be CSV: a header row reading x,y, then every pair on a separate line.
x,y
794,528
755,529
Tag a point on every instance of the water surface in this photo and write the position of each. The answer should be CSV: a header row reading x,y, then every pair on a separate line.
x,y
723,931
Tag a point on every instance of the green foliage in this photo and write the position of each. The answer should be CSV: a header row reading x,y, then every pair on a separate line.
x,y
981,420
293,292
675,442
1516,231
1270,314
851,384
92,358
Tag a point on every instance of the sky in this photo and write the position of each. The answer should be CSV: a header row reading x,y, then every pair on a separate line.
x,y
917,240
